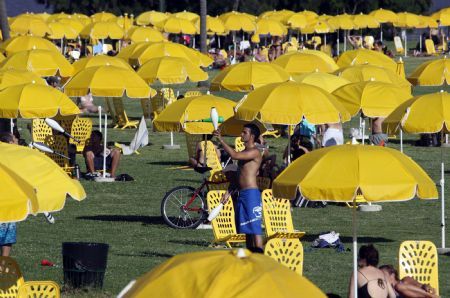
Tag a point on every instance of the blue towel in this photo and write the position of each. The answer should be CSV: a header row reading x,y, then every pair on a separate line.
x,y
249,211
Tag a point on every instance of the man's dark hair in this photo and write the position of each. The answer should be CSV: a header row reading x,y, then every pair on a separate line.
x,y
6,137
254,130
370,254
97,133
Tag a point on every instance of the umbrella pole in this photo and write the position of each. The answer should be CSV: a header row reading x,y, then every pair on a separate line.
x,y
100,118
363,130
420,43
338,42
325,39
104,146
381,32
11,125
218,41
406,44
401,140
355,254
443,249
289,146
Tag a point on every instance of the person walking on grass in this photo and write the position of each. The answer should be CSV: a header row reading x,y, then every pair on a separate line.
x,y
249,206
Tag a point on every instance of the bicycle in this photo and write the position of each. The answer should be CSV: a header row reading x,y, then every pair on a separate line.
x,y
185,207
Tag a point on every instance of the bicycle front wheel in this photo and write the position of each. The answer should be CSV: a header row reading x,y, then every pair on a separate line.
x,y
181,208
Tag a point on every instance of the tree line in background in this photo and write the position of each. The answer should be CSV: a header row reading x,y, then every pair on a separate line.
x,y
255,7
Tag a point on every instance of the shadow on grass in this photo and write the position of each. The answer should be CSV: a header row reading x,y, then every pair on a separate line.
x,y
145,254
405,142
168,163
201,243
146,220
349,239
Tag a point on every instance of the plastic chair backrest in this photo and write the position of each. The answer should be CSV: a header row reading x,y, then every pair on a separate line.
x,y
398,44
40,130
224,224
276,214
81,129
193,93
369,40
59,144
212,160
429,45
288,252
168,94
419,260
10,277
191,143
238,144
317,39
44,289
218,176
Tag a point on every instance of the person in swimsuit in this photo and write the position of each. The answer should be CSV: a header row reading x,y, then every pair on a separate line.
x,y
249,205
372,282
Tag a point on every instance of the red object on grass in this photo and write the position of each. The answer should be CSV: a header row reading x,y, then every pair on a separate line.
x,y
46,262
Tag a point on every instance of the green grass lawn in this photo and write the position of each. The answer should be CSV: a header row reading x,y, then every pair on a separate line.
x,y
126,215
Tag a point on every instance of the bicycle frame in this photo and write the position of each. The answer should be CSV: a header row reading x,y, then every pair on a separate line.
x,y
196,193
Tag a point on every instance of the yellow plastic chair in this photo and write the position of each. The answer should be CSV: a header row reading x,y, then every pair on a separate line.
x,y
398,45
44,289
443,48
10,277
221,182
288,252
40,130
277,217
419,260
81,129
163,98
59,144
212,160
369,41
122,118
429,46
223,226
191,144
193,93
316,39
238,144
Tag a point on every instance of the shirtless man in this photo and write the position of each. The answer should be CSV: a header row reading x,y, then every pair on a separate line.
x,y
378,138
249,209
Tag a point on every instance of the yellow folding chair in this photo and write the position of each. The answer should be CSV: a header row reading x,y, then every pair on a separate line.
x,y
81,129
223,226
122,118
59,144
288,252
10,277
398,45
369,41
429,46
35,289
419,260
277,217
238,144
191,144
40,130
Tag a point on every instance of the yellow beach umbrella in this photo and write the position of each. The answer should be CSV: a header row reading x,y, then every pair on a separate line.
x,y
270,26
317,27
325,81
233,127
365,56
427,22
151,17
43,62
305,62
365,21
74,23
32,183
443,16
57,16
35,101
13,77
2,57
29,24
235,21
82,18
139,34
237,273
102,17
297,21
311,16
203,59
214,25
171,70
108,81
102,30
124,22
187,15
367,72
384,15
373,99
60,30
431,73
280,15
407,20
186,114
343,21
27,42
177,25
287,103
129,50
247,76
99,60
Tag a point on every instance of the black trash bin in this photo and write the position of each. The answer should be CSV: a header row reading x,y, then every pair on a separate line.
x,y
84,264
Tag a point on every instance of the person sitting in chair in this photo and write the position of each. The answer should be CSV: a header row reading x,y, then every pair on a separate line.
x,y
198,160
93,155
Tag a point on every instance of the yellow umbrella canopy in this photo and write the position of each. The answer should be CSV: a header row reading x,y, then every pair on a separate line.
x,y
270,26
297,21
443,16
177,25
305,62
182,114
2,57
108,81
102,17
43,62
139,34
13,77
32,183
233,127
380,174
427,22
124,22
237,273
384,15
29,24
365,56
287,103
343,21
74,23
99,60
427,113
129,50
235,21
367,72
365,21
247,76
311,16
60,30
431,73
213,25
101,30
317,27
151,17
171,70
83,19
35,101
27,42
326,81
187,15
374,99
407,20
